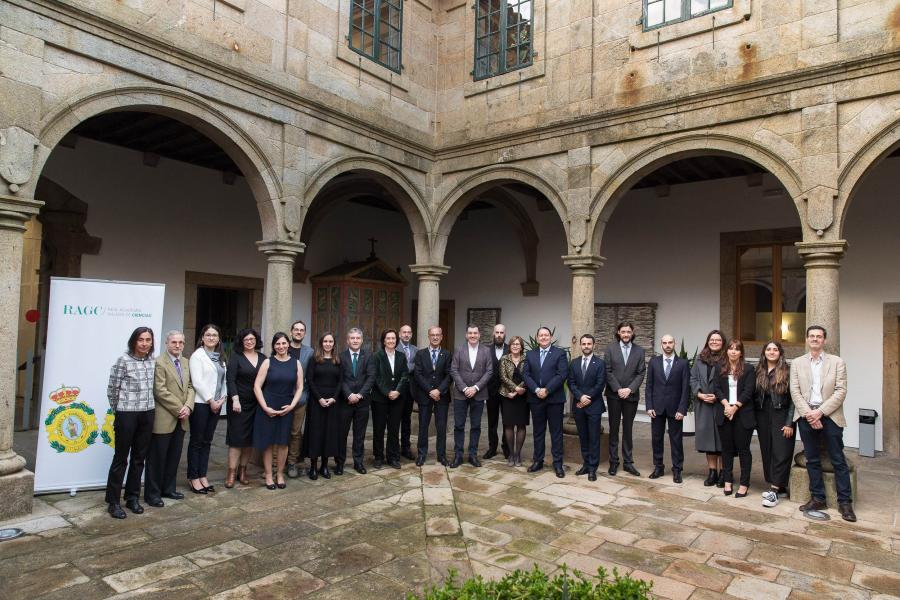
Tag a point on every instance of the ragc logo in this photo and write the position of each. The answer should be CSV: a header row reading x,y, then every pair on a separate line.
x,y
76,310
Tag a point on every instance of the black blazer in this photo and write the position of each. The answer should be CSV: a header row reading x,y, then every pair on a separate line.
x,y
494,383
668,396
779,402
429,378
746,387
386,380
365,376
591,384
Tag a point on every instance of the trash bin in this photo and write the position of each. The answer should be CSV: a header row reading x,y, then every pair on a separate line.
x,y
867,418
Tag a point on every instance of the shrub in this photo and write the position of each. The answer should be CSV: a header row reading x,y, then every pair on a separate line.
x,y
537,585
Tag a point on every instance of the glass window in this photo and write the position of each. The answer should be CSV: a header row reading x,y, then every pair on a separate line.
x,y
771,295
502,36
375,30
663,12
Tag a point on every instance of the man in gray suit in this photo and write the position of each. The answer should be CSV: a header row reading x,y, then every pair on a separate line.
x,y
470,369
408,397
624,374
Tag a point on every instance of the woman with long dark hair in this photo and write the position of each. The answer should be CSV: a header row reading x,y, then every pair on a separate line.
x,y
391,383
278,386
774,420
130,395
703,392
208,370
513,402
243,366
735,417
322,436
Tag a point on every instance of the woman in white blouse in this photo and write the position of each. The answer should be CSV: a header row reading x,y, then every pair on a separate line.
x,y
735,415
207,366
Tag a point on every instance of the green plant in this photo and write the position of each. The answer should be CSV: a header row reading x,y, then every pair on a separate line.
x,y
537,585
683,354
532,344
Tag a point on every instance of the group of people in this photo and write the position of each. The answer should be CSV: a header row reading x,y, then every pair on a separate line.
x,y
303,402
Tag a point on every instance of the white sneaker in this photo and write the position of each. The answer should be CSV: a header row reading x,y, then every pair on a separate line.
x,y
769,499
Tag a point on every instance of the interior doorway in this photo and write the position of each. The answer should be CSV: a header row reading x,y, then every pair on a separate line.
x,y
229,301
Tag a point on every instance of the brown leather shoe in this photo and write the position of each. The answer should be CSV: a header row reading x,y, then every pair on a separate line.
x,y
846,510
229,479
813,504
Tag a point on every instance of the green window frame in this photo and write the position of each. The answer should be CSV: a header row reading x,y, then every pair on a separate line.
x,y
503,36
659,13
376,31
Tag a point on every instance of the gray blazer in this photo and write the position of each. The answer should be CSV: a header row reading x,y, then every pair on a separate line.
x,y
464,375
619,374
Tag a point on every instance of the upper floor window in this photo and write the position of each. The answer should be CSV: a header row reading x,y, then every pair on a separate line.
x,y
375,30
663,12
502,36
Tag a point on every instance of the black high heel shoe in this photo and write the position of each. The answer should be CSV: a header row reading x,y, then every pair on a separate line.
x,y
280,484
742,495
726,491
195,490
270,486
324,472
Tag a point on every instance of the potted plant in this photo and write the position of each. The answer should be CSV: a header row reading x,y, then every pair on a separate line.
x,y
689,426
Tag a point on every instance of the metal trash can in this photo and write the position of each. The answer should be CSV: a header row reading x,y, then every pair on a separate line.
x,y
867,418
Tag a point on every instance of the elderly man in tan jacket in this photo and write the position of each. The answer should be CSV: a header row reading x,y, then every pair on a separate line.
x,y
818,389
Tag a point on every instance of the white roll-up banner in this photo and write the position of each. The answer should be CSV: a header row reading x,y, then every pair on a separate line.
x,y
88,326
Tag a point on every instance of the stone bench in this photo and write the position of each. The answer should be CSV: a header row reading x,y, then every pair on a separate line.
x,y
799,483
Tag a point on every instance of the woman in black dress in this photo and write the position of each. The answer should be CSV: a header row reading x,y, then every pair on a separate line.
x,y
513,405
322,435
278,386
241,373
735,417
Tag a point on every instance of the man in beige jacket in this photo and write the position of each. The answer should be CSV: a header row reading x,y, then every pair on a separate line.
x,y
818,389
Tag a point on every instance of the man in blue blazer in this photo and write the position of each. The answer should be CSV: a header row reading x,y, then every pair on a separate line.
x,y
587,378
545,373
668,385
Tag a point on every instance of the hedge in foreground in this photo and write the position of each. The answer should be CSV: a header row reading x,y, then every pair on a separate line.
x,y
536,585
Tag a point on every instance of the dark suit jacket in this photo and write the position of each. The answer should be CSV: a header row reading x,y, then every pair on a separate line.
x,y
668,396
619,375
494,383
365,376
591,384
387,380
464,375
551,376
745,389
429,378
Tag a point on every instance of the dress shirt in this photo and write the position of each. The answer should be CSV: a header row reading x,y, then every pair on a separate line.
x,y
498,351
667,366
585,361
626,350
390,357
130,387
732,390
815,396
473,355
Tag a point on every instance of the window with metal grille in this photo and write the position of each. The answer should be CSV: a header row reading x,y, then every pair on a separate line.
x,y
503,36
376,28
664,12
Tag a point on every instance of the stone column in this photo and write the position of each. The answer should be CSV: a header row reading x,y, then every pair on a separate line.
x,y
278,294
584,270
429,298
16,483
822,261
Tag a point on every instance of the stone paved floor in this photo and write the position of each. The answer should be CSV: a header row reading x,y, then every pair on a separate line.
x,y
389,532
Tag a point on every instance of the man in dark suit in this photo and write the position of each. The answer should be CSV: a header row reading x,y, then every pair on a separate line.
x,y
409,350
498,349
431,372
624,374
587,378
357,379
471,370
668,388
545,373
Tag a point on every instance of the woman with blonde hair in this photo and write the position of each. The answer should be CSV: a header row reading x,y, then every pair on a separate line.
x,y
514,405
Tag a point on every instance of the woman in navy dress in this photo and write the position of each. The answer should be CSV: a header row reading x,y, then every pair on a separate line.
x,y
278,386
322,437
241,374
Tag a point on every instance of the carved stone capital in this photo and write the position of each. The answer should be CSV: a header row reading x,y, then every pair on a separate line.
x,y
15,211
585,266
280,251
822,255
426,272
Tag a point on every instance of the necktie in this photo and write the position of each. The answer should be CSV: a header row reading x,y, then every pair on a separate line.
x,y
543,356
178,368
626,350
355,355
433,358
406,349
584,365
668,367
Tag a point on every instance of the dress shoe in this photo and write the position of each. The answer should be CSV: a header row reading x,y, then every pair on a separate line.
x,y
359,468
292,471
200,490
592,475
613,469
583,470
338,468
134,506
442,460
473,460
742,494
727,491
676,475
560,472
271,486
407,454
115,511
313,474
155,502
378,463
632,470
395,464
174,496
210,489
656,474
813,504
720,481
846,510
491,453
457,460
324,471
280,484
711,478
420,461
536,466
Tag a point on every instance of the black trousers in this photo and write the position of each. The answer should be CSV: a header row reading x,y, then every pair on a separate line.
x,y
493,414
133,431
356,416
461,408
736,442
834,444
658,426
406,421
386,415
162,463
547,416
440,410
776,450
203,428
621,411
589,436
